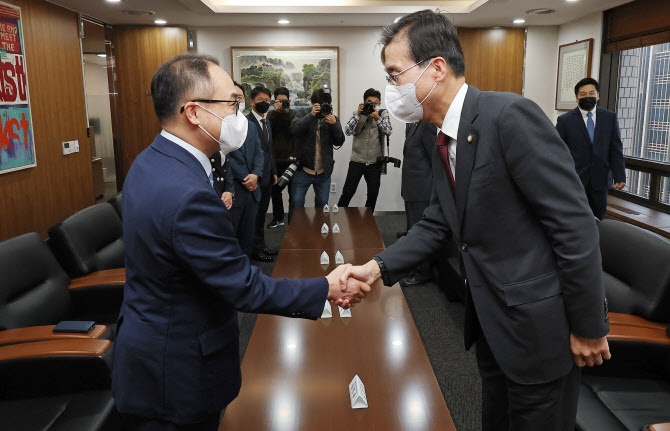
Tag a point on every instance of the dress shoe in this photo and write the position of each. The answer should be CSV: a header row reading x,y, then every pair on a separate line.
x,y
262,257
414,279
269,251
399,234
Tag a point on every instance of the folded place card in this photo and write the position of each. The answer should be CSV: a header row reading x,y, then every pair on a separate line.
x,y
324,228
326,209
357,394
327,311
336,228
335,208
344,312
325,260
339,259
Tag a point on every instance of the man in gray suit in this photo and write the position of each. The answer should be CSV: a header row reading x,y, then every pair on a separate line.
x,y
416,186
505,188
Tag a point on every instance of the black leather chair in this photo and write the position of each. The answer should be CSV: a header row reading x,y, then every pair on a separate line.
x,y
632,390
90,240
34,289
57,386
116,203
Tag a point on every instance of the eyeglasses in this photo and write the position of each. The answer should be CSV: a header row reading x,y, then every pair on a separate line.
x,y
236,102
392,78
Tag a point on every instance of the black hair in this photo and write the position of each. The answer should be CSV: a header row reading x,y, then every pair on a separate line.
x,y
320,96
282,91
428,35
587,81
371,92
256,91
183,77
238,85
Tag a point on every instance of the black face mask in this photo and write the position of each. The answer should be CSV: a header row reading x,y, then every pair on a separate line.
x,y
262,107
587,103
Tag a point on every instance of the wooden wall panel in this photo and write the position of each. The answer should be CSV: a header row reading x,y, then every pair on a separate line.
x,y
493,58
36,198
139,51
639,18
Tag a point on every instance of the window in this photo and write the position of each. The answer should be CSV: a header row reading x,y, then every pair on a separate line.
x,y
637,183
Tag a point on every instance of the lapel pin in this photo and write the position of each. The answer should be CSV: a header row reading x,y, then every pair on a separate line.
x,y
469,138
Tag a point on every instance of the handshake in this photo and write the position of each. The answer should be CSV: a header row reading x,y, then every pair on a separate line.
x,y
348,284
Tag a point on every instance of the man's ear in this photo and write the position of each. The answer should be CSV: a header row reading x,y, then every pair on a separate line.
x,y
191,113
440,69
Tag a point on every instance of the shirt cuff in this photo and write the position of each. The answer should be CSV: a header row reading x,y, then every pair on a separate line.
x,y
386,279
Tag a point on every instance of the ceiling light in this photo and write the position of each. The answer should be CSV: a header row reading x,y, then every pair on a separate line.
x,y
397,19
113,1
160,21
519,21
102,55
283,21
572,1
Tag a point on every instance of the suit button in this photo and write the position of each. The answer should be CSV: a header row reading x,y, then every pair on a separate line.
x,y
464,247
212,160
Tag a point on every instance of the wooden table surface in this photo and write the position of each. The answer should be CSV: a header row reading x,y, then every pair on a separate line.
x,y
357,230
296,372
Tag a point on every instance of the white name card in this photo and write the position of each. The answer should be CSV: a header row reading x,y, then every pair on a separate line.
x,y
336,228
335,208
327,311
325,260
339,259
326,209
324,228
344,312
357,394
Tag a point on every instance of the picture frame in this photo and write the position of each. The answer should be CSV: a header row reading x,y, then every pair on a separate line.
x,y
301,69
574,64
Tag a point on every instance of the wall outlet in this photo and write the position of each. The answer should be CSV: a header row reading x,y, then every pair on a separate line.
x,y
333,188
70,147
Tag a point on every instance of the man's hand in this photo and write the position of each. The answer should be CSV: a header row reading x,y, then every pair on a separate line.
x,y
250,182
360,108
620,186
368,273
587,351
277,105
330,119
227,199
345,293
275,180
375,115
316,108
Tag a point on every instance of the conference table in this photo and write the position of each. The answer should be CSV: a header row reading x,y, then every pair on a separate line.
x,y
296,372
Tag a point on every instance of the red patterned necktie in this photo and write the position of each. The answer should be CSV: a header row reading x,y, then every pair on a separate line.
x,y
443,146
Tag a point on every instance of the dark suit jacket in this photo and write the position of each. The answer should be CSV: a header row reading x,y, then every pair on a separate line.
x,y
223,175
595,163
269,166
528,240
417,175
248,159
304,130
176,353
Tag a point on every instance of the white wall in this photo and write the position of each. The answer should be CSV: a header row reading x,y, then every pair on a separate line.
x,y
360,69
540,67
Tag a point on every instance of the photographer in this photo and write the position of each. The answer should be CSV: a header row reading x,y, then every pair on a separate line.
x,y
283,145
369,127
316,134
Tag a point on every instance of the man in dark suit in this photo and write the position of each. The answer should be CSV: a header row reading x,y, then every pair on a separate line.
x,y
593,137
506,189
260,100
246,165
416,186
176,359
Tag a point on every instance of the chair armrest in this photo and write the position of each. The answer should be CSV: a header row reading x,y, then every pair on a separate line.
x,y
108,277
45,333
636,333
660,427
631,320
91,347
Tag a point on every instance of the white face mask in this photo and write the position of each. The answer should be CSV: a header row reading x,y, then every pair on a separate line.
x,y
234,130
402,103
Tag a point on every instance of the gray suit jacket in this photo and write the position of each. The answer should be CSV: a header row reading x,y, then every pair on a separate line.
x,y
528,241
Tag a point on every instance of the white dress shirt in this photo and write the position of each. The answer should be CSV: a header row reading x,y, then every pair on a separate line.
x,y
450,125
258,116
199,155
586,119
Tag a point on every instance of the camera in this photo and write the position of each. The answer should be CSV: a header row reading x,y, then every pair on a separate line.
x,y
369,108
385,160
285,103
326,107
288,173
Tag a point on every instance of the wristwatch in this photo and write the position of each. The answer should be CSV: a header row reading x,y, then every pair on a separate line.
x,y
383,270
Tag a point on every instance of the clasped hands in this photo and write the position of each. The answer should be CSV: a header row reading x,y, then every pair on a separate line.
x,y
348,284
